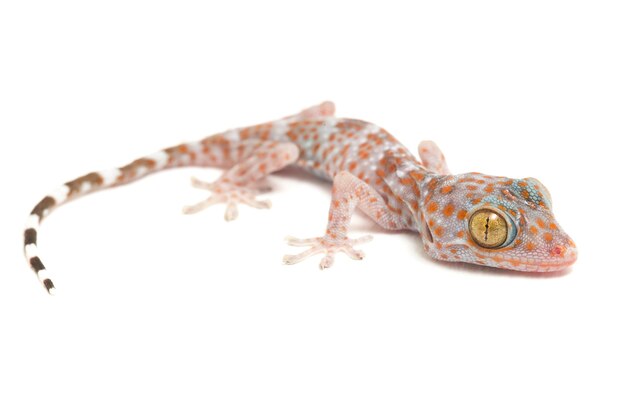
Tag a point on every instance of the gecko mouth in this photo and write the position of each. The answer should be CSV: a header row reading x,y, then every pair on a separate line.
x,y
528,264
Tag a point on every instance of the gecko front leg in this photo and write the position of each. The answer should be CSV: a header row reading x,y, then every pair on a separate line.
x,y
349,192
433,158
244,181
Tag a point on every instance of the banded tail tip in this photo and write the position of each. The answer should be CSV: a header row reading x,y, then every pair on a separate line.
x,y
49,286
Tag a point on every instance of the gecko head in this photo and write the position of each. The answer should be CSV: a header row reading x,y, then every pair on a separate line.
x,y
493,221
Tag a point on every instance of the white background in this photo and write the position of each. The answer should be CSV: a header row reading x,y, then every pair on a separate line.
x,y
158,313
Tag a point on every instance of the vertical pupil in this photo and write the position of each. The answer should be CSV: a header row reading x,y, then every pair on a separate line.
x,y
486,228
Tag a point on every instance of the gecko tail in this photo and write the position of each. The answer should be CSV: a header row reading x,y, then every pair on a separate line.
x,y
94,181
30,242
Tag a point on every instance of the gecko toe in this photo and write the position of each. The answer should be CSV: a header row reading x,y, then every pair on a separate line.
x,y
326,245
229,194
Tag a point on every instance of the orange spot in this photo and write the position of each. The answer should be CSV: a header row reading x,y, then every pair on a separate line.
x,y
183,148
460,233
446,189
541,223
438,231
553,226
352,166
522,184
406,181
547,237
530,246
461,214
432,207
448,210
489,188
533,230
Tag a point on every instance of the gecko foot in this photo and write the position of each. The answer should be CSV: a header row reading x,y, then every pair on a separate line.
x,y
229,194
325,245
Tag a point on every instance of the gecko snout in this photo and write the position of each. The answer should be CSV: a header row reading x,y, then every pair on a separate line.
x,y
564,255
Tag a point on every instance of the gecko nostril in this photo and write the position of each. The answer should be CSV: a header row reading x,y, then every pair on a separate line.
x,y
558,250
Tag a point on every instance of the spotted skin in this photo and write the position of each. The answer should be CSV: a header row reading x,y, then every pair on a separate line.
x,y
371,171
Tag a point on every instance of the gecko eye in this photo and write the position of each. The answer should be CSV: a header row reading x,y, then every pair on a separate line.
x,y
488,228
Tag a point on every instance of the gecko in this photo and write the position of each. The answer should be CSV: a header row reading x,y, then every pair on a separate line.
x,y
474,218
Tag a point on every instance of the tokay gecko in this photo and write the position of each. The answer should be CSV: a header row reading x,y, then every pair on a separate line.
x,y
473,218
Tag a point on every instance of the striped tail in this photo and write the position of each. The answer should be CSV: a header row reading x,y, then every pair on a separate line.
x,y
194,153
30,241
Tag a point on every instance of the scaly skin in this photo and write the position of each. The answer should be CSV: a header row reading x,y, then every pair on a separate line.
x,y
370,170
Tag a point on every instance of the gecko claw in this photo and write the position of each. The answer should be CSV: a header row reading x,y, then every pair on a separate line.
x,y
327,261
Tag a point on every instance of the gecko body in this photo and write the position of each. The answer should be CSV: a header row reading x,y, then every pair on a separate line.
x,y
473,218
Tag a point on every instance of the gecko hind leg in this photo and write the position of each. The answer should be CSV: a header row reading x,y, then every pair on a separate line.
x,y
245,180
349,192
327,108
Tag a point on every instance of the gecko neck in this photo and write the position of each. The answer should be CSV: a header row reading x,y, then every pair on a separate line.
x,y
409,182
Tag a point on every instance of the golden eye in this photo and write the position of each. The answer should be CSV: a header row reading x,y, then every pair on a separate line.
x,y
488,228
